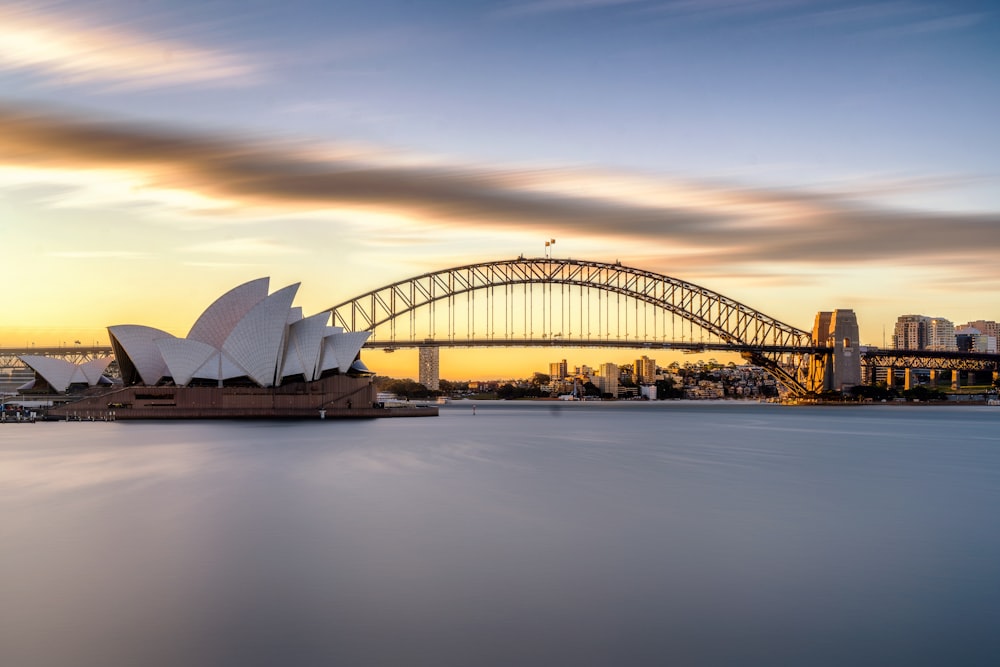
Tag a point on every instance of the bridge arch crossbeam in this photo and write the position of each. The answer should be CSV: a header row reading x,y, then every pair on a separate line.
x,y
735,326
729,320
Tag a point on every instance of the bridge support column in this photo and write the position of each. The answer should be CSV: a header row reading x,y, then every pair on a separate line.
x,y
956,379
890,377
934,378
907,379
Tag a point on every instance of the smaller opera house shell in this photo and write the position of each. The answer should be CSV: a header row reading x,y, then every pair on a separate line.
x,y
58,375
250,354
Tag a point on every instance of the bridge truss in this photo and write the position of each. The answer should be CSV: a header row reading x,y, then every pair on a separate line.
x,y
566,302
934,360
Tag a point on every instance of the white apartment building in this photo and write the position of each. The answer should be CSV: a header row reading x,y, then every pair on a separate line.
x,y
941,334
920,332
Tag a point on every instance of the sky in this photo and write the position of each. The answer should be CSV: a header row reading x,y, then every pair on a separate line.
x,y
796,156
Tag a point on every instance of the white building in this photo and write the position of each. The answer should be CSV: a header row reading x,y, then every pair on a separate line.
x,y
941,334
245,338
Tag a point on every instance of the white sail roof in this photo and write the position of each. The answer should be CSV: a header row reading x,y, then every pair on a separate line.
x,y
244,333
255,343
139,343
305,342
93,370
339,350
60,374
57,372
217,322
184,357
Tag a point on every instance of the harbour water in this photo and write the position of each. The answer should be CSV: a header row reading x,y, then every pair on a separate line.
x,y
521,534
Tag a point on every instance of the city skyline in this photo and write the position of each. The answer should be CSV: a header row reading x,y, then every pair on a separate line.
x,y
795,156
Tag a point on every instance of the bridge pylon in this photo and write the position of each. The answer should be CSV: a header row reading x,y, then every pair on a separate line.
x,y
840,367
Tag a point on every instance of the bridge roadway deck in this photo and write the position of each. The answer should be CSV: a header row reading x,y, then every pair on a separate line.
x,y
593,342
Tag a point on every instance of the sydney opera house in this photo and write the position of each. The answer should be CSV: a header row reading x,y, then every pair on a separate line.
x,y
249,354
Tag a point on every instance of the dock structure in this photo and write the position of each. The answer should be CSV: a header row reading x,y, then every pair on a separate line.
x,y
332,397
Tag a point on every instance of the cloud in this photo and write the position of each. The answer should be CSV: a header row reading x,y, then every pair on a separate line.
x,y
67,50
558,6
96,254
245,247
714,224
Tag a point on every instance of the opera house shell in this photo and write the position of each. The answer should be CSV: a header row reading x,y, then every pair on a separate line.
x,y
246,338
249,354
57,375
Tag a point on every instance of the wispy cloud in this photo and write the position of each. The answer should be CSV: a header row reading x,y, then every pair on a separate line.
x,y
38,38
883,19
96,254
537,7
714,224
245,247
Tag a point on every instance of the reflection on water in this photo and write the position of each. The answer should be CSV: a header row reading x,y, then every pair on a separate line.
x,y
528,534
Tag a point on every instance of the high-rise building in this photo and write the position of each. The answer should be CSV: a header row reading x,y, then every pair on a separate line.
x,y
429,361
985,327
971,339
941,334
920,332
644,370
910,332
558,370
607,379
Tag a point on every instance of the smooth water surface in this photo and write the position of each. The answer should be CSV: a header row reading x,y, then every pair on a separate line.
x,y
523,534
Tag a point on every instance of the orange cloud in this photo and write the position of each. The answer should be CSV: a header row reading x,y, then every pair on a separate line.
x,y
36,39
711,223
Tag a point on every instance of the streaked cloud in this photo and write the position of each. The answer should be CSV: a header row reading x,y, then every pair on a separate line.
x,y
96,254
245,247
717,224
49,41
554,6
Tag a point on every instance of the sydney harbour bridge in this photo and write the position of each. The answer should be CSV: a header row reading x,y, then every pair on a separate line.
x,y
532,302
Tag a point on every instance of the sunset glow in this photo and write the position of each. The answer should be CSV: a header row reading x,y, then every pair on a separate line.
x,y
795,156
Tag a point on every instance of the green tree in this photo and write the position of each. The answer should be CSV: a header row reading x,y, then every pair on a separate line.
x,y
665,389
539,379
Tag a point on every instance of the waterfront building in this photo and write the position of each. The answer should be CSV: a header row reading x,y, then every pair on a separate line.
x,y
910,332
429,364
645,370
607,379
558,370
970,339
249,355
247,337
941,334
920,332
985,327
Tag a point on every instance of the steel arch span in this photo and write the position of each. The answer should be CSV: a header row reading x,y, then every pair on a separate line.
x,y
386,311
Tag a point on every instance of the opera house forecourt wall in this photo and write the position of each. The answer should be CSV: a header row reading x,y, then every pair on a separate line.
x,y
249,355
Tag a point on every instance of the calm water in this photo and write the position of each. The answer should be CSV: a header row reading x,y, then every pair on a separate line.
x,y
526,534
